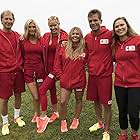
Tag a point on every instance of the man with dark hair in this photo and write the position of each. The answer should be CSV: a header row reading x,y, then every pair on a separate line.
x,y
100,67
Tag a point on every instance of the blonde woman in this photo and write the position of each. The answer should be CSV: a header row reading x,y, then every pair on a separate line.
x,y
34,72
53,40
70,70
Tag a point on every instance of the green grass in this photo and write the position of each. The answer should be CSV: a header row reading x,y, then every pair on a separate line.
x,y
52,132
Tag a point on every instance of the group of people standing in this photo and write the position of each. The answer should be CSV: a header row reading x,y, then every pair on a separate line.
x,y
39,61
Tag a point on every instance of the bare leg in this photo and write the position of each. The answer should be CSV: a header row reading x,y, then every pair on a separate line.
x,y
34,92
79,104
17,101
4,106
107,115
98,111
64,98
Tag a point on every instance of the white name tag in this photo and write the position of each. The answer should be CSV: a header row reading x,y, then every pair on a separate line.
x,y
51,76
39,80
104,41
82,55
130,48
79,89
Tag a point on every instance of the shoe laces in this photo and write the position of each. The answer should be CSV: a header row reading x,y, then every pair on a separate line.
x,y
54,116
123,137
63,124
106,136
19,121
75,122
5,129
135,137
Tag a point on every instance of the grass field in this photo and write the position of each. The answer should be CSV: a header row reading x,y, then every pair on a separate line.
x,y
52,132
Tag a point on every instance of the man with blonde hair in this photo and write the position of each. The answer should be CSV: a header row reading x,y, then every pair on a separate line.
x,y
11,71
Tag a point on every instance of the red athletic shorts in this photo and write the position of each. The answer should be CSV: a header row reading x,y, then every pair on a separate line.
x,y
11,83
99,89
31,75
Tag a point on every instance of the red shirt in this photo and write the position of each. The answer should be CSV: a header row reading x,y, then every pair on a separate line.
x,y
33,55
127,56
50,49
51,53
10,58
100,61
71,73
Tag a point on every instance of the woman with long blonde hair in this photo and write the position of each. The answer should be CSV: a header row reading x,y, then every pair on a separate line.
x,y
34,72
70,70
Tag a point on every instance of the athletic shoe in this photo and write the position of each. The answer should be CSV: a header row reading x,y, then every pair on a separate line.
x,y
54,116
19,121
34,119
74,124
135,137
123,137
106,136
42,124
96,126
5,129
64,126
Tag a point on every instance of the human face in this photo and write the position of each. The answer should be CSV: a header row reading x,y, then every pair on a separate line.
x,y
32,29
75,36
120,28
54,27
7,21
94,23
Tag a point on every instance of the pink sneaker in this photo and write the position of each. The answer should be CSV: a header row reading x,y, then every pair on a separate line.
x,y
135,137
123,137
74,124
34,119
54,116
42,124
64,126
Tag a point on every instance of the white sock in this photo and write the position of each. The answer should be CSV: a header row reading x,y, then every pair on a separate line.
x,y
16,113
4,119
43,118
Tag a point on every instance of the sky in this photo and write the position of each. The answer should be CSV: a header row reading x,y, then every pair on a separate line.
x,y
71,12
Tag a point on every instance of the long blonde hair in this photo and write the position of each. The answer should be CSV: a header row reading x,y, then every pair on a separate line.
x,y
26,29
70,52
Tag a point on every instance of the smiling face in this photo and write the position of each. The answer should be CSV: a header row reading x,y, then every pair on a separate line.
x,y
120,28
32,29
7,20
75,36
95,22
54,26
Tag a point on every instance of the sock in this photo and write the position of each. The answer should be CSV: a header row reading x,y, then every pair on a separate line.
x,y
43,118
16,113
4,119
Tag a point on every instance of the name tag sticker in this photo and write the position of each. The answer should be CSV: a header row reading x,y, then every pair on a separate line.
x,y
130,48
39,80
104,41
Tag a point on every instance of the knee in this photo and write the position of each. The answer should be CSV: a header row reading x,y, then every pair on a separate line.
x,y
79,101
36,97
107,108
63,104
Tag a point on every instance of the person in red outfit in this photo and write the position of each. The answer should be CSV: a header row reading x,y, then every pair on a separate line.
x,y
11,70
100,68
69,68
126,47
53,40
34,72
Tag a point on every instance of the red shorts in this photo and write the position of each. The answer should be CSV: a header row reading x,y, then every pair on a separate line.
x,y
11,83
99,89
31,75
